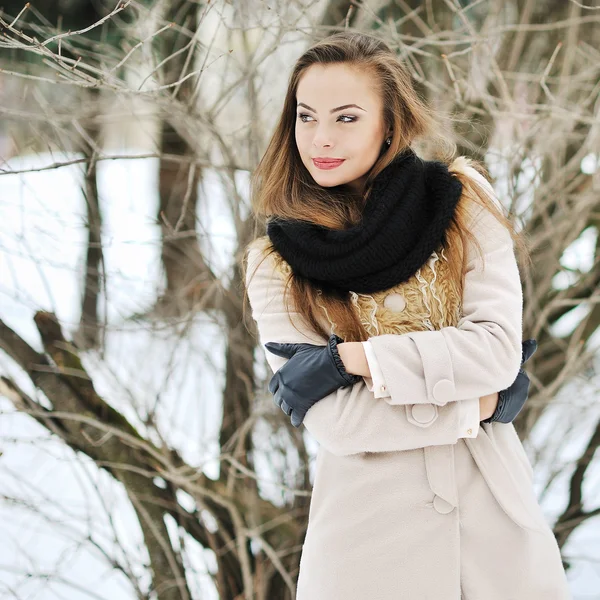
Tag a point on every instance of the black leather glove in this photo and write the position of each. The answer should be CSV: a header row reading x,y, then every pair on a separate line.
x,y
311,373
512,399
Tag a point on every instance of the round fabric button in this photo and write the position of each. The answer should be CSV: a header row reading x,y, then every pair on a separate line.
x,y
442,506
423,413
395,302
443,391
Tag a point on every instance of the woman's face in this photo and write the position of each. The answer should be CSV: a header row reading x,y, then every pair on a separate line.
x,y
339,116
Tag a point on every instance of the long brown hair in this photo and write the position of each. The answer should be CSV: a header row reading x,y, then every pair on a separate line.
x,y
282,186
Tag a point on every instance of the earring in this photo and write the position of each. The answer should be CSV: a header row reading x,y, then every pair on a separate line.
x,y
388,141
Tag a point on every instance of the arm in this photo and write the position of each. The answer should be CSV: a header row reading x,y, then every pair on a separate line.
x,y
350,420
470,410
479,356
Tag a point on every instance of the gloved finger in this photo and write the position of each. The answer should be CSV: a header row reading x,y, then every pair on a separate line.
x,y
277,399
515,398
286,408
274,383
296,419
284,350
529,347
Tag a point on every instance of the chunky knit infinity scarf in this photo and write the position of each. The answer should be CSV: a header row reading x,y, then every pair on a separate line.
x,y
405,219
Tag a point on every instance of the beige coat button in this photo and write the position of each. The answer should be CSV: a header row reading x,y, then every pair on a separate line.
x,y
442,506
382,388
443,391
423,413
395,302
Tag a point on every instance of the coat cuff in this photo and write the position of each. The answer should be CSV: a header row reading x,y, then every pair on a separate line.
x,y
437,366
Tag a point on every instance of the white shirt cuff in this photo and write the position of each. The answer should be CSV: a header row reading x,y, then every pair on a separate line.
x,y
376,382
468,418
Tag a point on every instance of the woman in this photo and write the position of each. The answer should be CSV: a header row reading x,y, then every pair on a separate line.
x,y
388,296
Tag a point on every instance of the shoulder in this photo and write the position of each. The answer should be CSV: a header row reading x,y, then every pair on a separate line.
x,y
465,169
257,258
264,264
483,212
257,248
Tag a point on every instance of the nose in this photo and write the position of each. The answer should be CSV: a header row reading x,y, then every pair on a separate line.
x,y
322,136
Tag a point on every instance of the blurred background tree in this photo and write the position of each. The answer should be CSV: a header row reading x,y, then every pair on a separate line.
x,y
189,91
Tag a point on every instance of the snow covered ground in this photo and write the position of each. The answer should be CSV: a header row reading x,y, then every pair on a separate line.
x,y
62,497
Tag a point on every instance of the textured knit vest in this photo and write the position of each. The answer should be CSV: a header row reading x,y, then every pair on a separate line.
x,y
430,300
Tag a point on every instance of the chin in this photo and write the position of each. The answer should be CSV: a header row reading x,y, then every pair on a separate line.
x,y
328,180
328,184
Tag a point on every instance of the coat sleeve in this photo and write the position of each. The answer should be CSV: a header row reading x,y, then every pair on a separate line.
x,y
470,412
482,354
350,420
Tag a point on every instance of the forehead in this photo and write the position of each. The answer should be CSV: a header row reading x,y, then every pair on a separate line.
x,y
334,85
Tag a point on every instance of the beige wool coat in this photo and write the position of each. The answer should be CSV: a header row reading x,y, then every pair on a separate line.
x,y
404,507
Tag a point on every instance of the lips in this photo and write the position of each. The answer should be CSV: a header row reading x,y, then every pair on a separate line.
x,y
327,163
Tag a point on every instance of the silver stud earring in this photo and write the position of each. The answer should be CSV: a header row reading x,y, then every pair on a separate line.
x,y
388,141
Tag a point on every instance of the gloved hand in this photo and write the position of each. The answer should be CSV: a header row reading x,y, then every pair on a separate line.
x,y
311,373
512,399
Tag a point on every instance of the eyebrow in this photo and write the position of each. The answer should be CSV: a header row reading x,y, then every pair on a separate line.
x,y
333,109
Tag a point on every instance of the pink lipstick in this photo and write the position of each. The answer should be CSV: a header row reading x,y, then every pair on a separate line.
x,y
327,163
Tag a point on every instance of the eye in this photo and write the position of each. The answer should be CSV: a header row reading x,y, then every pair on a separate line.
x,y
346,118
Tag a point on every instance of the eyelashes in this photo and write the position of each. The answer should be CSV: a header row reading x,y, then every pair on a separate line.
x,y
352,118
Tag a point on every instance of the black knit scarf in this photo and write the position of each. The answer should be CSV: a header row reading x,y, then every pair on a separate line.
x,y
405,219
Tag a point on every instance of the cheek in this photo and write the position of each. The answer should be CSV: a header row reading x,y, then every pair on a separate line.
x,y
300,138
366,136
365,146
374,136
